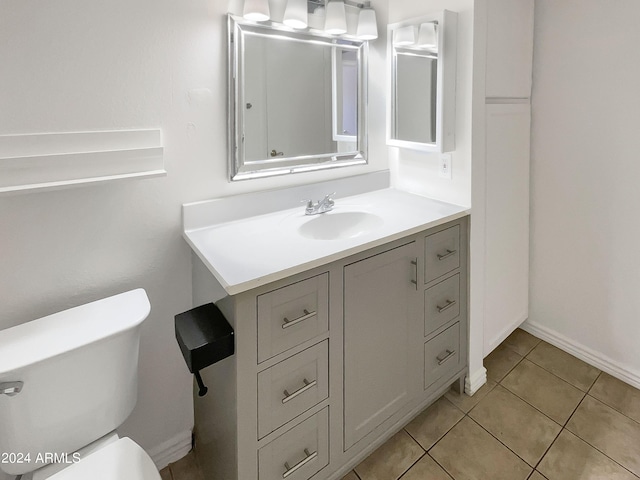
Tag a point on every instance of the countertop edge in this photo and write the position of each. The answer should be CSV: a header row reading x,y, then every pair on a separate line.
x,y
235,289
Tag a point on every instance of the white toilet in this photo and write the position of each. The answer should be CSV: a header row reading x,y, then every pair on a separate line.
x,y
67,381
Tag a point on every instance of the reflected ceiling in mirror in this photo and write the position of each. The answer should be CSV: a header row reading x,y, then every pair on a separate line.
x,y
297,100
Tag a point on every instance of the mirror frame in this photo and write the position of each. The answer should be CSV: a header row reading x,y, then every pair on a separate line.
x,y
445,83
237,28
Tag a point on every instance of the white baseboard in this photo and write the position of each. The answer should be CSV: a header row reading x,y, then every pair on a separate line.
x,y
502,336
592,357
473,382
172,450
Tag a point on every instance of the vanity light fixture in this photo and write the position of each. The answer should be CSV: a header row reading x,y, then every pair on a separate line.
x,y
336,18
367,25
295,15
428,36
405,36
256,10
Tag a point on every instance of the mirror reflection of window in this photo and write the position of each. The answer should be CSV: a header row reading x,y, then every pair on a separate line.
x,y
415,97
345,99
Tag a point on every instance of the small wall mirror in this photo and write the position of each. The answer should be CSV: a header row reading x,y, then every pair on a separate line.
x,y
297,100
421,79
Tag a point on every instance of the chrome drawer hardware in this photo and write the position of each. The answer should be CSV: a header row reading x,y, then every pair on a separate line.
x,y
11,388
290,323
290,396
449,304
415,264
300,464
447,255
448,355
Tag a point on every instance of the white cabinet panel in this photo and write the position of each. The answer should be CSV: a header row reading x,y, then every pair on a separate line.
x,y
509,48
507,221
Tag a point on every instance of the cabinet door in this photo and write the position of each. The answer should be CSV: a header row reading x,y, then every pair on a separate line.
x,y
509,48
381,369
507,222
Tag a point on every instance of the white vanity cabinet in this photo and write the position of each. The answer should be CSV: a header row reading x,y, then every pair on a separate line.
x,y
331,362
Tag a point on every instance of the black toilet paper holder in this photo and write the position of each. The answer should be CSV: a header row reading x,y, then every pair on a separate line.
x,y
205,337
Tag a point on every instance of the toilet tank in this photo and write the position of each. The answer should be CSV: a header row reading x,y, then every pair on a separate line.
x,y
79,373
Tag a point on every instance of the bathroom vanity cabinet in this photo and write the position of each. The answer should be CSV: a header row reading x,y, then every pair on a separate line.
x,y
332,361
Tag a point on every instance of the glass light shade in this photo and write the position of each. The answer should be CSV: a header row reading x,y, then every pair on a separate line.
x,y
336,18
256,10
404,36
367,26
428,36
295,15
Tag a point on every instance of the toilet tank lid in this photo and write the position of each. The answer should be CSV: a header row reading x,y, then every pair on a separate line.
x,y
70,329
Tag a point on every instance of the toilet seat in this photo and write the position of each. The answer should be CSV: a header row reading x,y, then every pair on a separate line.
x,y
118,460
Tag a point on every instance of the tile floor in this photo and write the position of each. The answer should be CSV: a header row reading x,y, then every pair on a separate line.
x,y
543,414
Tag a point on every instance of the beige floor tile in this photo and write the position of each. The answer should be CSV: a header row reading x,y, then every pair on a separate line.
x,y
610,432
521,342
350,476
537,476
546,392
392,459
426,469
518,425
432,424
468,452
499,362
617,394
186,468
464,402
578,373
165,474
570,458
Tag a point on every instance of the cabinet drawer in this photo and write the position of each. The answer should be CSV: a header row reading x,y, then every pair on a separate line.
x,y
442,253
292,386
299,453
442,355
441,303
292,315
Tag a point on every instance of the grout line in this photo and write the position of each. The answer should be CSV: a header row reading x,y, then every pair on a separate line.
x,y
594,382
598,450
441,466
412,465
501,442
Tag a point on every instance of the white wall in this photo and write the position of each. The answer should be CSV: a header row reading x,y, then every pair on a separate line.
x,y
418,171
73,65
585,236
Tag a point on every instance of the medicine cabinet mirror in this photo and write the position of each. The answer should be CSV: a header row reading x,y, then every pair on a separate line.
x,y
421,79
297,100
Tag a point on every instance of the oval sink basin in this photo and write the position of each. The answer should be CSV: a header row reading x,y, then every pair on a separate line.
x,y
339,225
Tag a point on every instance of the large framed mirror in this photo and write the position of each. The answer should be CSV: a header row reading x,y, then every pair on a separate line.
x,y
421,83
297,100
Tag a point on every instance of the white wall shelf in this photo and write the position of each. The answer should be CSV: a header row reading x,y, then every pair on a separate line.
x,y
44,161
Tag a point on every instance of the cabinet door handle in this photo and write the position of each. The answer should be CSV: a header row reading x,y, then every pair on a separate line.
x,y
290,323
414,280
447,255
290,396
308,457
447,356
448,305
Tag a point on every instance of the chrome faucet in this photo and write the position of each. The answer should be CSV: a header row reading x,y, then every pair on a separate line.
x,y
321,206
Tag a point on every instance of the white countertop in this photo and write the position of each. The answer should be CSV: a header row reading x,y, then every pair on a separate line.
x,y
252,251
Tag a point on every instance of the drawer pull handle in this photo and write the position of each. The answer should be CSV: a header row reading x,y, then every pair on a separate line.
x,y
447,255
415,266
446,357
290,396
290,323
291,470
449,304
